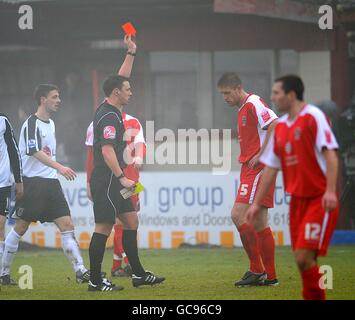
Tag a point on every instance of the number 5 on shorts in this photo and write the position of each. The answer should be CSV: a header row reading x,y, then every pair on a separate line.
x,y
243,190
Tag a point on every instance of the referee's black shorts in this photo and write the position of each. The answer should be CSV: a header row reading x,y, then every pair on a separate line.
x,y
5,193
43,200
108,201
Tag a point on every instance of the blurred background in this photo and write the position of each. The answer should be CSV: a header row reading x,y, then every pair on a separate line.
x,y
183,49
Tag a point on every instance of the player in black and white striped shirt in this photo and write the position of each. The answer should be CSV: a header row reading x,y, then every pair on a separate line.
x,y
43,196
10,168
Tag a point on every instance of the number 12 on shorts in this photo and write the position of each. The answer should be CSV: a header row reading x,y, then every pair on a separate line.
x,y
312,231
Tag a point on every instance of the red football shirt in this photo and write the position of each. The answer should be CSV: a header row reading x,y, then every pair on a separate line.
x,y
296,147
253,118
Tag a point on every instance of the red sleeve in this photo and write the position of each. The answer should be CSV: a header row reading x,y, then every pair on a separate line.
x,y
89,163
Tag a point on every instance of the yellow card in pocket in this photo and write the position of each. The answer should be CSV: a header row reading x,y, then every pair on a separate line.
x,y
138,188
129,192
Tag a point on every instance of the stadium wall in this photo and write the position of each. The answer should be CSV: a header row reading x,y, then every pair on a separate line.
x,y
176,208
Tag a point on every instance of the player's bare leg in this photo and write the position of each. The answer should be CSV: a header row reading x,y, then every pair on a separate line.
x,y
261,220
266,246
71,248
119,255
11,247
239,213
140,276
249,238
307,264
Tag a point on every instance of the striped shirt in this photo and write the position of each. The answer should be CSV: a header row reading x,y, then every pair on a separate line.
x,y
37,135
10,160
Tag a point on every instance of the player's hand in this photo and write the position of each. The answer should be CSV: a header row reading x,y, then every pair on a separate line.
x,y
19,191
254,161
329,200
137,162
252,213
127,183
88,191
131,46
67,173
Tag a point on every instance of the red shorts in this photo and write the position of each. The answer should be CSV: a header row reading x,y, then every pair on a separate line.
x,y
249,182
311,227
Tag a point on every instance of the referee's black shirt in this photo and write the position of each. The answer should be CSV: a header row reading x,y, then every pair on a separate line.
x,y
108,129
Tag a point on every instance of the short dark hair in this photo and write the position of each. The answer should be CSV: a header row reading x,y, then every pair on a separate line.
x,y
292,83
229,79
43,90
112,82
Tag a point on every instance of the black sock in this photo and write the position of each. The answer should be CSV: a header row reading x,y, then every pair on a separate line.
x,y
129,241
96,254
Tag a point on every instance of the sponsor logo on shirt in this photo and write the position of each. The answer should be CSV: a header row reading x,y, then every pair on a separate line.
x,y
109,132
47,151
291,160
31,143
265,116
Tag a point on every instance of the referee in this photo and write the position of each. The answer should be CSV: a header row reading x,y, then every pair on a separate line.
x,y
43,197
10,165
106,182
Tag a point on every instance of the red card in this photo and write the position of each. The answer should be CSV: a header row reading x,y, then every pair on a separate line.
x,y
129,29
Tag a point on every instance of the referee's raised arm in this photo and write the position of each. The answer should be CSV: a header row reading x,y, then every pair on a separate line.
x,y
126,68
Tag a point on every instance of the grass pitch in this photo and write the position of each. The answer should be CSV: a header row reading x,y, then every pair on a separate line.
x,y
202,274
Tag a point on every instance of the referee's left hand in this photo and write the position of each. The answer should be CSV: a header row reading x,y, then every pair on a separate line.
x,y
127,183
67,173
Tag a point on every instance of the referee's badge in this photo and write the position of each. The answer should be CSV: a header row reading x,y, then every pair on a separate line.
x,y
109,132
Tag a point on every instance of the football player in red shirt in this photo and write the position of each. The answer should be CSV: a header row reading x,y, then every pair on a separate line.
x,y
255,123
304,147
